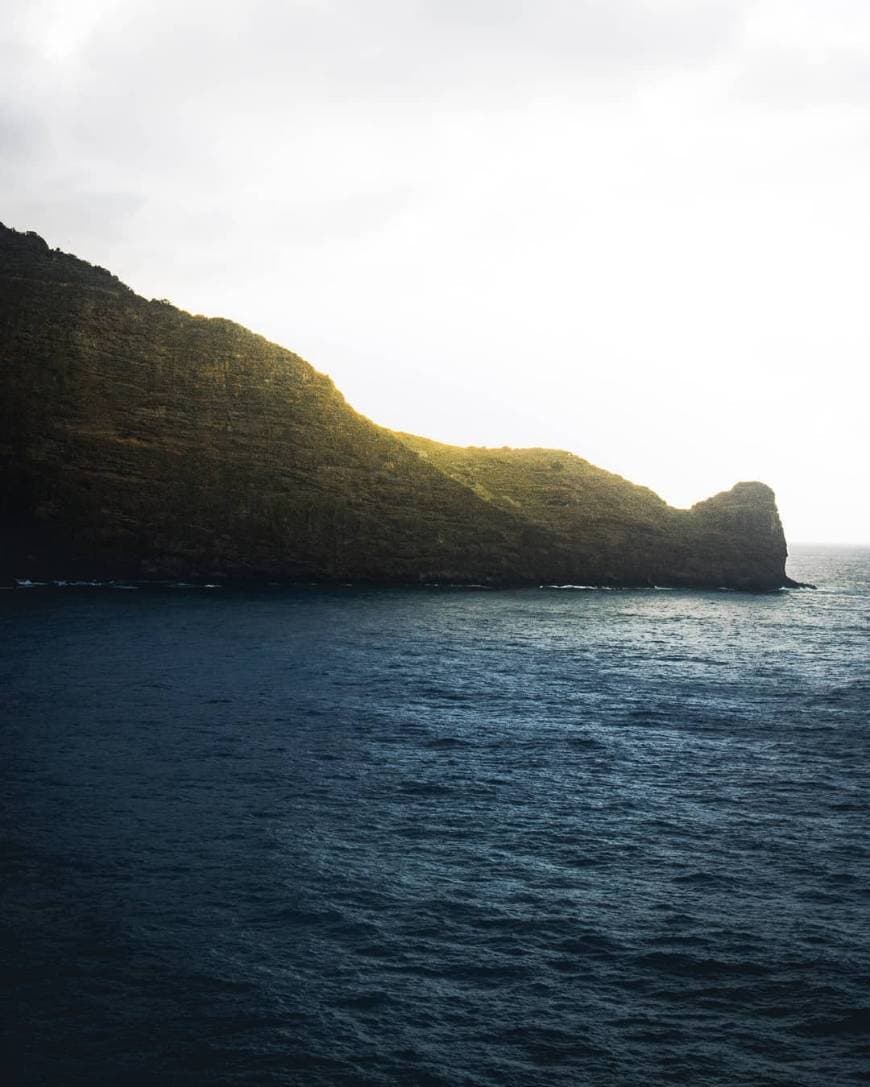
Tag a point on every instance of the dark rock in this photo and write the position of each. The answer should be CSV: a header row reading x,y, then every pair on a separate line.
x,y
139,441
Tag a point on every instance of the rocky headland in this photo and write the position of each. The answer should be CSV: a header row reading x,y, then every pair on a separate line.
x,y
139,441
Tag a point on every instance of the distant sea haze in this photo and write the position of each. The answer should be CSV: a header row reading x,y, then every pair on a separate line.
x,y
360,837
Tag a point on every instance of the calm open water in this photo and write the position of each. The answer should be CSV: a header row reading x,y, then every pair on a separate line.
x,y
437,837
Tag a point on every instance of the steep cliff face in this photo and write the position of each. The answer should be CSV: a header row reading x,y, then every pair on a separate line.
x,y
138,440
738,537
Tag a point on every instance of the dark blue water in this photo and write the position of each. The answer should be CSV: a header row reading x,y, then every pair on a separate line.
x,y
438,837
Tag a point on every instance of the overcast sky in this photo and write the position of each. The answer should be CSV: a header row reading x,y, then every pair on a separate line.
x,y
635,229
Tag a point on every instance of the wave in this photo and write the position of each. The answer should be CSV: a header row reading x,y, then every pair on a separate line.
x,y
110,583
62,583
579,588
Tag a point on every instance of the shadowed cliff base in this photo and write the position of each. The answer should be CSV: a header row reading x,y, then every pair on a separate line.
x,y
139,441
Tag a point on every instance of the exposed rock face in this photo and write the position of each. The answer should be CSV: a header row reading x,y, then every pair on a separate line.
x,y
738,537
139,441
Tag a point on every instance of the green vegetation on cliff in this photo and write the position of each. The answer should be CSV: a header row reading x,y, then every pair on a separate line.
x,y
137,440
617,531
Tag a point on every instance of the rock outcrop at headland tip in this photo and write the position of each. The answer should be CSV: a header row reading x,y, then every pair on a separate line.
x,y
139,441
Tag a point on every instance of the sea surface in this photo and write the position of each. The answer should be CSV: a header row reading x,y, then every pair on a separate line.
x,y
437,836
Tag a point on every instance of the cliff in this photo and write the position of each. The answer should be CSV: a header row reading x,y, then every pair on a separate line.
x,y
617,532
137,440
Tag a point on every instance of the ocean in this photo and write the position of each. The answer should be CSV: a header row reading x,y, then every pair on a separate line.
x,y
437,836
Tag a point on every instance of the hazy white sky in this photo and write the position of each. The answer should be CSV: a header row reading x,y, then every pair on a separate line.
x,y
635,229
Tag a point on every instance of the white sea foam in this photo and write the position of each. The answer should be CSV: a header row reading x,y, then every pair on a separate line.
x,y
63,583
578,588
